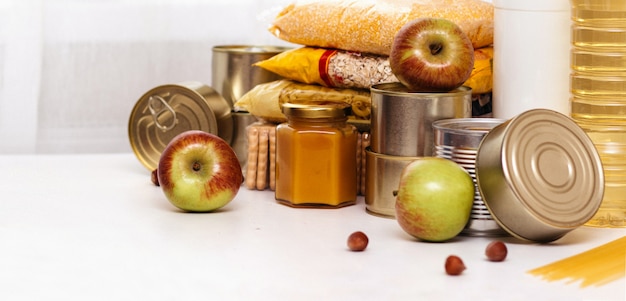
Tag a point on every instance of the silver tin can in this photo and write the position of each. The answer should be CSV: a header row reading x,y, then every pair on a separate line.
x,y
458,140
539,175
401,121
233,72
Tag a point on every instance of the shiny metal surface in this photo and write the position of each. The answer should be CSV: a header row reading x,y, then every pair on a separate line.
x,y
401,121
168,110
382,177
539,175
232,70
458,140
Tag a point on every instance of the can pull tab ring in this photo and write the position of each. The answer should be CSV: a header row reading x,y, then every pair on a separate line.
x,y
158,106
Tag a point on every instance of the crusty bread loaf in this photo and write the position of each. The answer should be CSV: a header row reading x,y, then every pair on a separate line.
x,y
370,25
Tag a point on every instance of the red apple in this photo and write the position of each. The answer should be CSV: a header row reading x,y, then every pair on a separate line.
x,y
434,199
431,55
199,172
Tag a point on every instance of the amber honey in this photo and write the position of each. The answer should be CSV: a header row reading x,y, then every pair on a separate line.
x,y
316,157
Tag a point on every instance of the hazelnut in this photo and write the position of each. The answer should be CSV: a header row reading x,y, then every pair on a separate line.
x,y
357,241
496,251
454,265
154,177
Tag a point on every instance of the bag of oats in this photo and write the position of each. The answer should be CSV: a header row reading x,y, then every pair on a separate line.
x,y
330,67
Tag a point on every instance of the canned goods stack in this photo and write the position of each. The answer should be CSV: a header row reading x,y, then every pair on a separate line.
x,y
401,131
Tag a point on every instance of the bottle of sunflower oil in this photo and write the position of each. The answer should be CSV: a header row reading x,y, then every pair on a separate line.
x,y
598,95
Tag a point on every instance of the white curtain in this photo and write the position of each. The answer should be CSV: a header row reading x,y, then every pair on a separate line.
x,y
72,70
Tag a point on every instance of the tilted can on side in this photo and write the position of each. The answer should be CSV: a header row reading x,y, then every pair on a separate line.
x,y
168,110
539,175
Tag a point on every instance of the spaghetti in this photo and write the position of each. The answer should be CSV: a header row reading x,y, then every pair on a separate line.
x,y
597,266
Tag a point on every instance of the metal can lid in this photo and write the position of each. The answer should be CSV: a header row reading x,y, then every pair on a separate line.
x,y
552,170
251,49
168,110
332,110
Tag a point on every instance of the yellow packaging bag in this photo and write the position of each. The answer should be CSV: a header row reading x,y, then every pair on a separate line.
x,y
352,70
481,79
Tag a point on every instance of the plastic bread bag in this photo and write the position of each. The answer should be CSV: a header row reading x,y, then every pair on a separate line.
x,y
369,26
353,70
264,100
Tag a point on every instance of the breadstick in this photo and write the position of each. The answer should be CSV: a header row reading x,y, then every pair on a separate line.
x,y
261,171
359,142
365,143
253,150
272,143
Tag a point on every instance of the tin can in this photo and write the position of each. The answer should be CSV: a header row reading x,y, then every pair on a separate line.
x,y
458,140
233,72
401,121
539,175
382,177
168,110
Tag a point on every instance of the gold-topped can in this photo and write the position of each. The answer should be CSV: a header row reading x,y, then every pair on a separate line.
x,y
168,110
539,175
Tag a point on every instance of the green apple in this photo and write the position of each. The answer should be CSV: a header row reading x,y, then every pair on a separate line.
x,y
199,172
434,199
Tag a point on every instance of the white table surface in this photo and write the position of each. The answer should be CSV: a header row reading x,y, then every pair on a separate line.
x,y
93,227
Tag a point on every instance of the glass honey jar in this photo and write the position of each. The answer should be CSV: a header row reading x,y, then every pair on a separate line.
x,y
316,156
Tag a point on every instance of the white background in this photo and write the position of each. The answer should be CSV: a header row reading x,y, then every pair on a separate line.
x,y
71,70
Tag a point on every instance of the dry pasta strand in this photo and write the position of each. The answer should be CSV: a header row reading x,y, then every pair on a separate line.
x,y
597,266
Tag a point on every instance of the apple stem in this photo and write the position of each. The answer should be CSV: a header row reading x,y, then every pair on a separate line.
x,y
435,48
196,166
395,193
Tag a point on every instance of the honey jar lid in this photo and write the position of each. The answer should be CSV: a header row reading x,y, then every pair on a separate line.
x,y
539,175
168,110
317,110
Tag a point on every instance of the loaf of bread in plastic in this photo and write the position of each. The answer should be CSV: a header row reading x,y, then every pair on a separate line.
x,y
370,25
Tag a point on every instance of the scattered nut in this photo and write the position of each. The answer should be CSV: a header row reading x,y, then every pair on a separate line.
x,y
496,251
154,177
454,265
357,241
